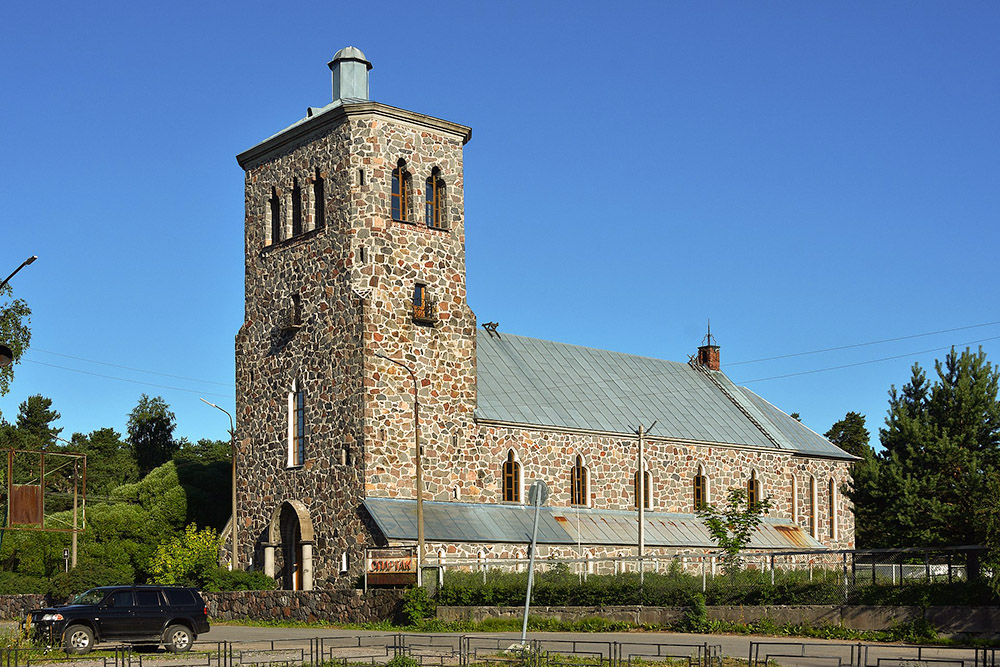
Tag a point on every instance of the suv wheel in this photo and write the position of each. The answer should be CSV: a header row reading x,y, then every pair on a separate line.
x,y
78,639
177,639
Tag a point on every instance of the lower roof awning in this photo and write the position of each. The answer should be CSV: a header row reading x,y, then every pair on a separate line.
x,y
494,523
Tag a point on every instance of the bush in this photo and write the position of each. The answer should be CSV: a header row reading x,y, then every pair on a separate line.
x,y
86,575
417,606
186,559
13,583
223,579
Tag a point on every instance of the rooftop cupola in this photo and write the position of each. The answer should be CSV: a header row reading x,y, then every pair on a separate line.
x,y
708,352
350,74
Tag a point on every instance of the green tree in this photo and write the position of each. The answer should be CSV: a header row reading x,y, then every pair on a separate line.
x,y
186,558
931,484
851,435
151,427
733,527
34,422
15,317
109,461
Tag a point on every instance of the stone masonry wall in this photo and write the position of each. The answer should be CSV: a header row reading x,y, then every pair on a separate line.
x,y
334,606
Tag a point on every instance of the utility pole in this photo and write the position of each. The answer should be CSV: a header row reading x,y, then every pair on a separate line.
x,y
420,467
641,499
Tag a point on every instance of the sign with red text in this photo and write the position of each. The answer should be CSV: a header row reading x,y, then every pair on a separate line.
x,y
391,567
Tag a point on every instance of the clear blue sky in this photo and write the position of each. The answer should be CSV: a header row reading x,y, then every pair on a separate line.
x,y
808,175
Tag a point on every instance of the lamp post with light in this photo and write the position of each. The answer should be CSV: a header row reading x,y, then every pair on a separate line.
x,y
6,354
232,446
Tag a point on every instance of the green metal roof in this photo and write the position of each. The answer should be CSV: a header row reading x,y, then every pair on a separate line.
x,y
541,383
503,523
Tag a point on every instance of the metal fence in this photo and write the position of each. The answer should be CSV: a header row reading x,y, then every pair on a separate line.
x,y
847,570
445,650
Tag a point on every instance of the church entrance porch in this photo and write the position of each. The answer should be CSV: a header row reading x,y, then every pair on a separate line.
x,y
291,531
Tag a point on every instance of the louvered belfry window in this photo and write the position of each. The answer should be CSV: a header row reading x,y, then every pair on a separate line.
x,y
578,483
511,479
753,490
401,193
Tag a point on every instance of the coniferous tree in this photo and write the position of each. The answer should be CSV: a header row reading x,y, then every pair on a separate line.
x,y
151,433
34,423
930,486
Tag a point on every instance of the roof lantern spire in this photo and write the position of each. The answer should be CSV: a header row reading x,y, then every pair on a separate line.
x,y
350,74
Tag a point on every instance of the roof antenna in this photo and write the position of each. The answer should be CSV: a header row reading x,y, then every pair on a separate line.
x,y
491,328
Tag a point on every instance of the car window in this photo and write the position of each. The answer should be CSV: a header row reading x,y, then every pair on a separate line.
x,y
93,596
120,599
179,596
148,598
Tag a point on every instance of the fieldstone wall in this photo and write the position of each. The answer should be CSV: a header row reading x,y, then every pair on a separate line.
x,y
13,607
334,606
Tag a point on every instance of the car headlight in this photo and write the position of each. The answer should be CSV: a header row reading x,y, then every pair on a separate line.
x,y
52,617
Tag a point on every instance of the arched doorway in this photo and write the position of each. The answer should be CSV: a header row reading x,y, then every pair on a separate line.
x,y
291,530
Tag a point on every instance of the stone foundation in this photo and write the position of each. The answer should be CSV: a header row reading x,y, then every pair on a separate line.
x,y
334,606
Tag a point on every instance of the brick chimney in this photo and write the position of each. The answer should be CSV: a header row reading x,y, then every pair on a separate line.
x,y
708,352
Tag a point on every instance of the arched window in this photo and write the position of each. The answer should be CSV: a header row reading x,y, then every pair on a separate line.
x,y
434,198
700,489
753,489
401,184
296,208
274,208
578,483
296,426
646,483
319,201
813,523
834,528
511,479
795,499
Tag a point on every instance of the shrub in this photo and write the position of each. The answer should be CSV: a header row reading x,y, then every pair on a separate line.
x,y
417,605
402,661
223,579
13,583
186,559
87,574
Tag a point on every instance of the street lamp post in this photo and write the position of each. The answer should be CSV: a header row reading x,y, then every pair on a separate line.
x,y
420,467
6,354
233,560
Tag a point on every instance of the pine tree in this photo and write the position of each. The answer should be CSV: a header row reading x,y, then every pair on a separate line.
x,y
942,442
151,433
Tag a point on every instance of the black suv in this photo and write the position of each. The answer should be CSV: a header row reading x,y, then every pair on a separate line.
x,y
167,615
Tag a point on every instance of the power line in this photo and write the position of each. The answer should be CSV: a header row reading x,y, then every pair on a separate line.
x,y
112,377
870,361
854,345
130,368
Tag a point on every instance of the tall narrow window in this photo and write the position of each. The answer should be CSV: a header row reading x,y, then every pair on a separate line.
x,y
834,528
401,192
753,489
434,196
700,491
647,482
275,205
813,524
578,483
296,208
296,426
423,309
319,201
511,479
795,500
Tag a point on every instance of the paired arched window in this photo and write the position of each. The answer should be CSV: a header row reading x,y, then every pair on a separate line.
x,y
700,490
753,489
511,479
647,480
296,425
578,483
434,200
401,192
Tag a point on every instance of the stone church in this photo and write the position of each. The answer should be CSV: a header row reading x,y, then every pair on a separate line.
x,y
356,302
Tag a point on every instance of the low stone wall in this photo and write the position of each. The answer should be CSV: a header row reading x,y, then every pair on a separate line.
x,y
13,607
948,620
335,606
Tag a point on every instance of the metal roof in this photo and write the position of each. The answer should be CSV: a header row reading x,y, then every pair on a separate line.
x,y
541,383
468,522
